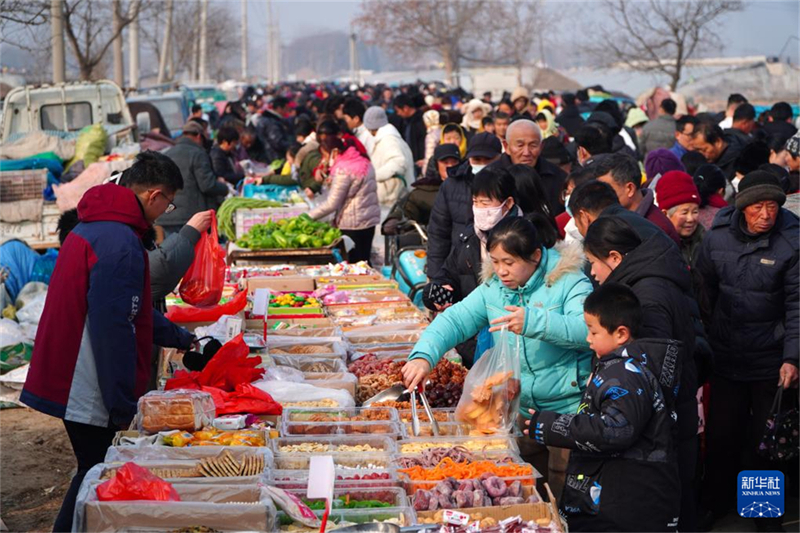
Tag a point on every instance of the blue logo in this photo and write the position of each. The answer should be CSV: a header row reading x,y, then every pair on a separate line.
x,y
760,494
615,393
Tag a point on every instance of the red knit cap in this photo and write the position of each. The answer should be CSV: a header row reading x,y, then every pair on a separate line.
x,y
676,188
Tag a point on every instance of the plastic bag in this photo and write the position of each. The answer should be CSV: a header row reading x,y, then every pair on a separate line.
x,y
287,392
133,482
229,367
203,282
284,373
490,400
176,409
780,439
90,146
184,314
32,312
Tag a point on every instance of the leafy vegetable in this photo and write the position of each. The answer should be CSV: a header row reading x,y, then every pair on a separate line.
x,y
226,212
296,232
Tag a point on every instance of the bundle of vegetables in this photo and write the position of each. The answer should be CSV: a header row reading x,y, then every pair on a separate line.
x,y
297,232
226,212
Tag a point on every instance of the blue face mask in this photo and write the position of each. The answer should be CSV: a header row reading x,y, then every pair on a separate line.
x,y
566,206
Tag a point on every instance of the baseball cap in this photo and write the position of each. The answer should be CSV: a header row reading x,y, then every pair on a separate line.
x,y
195,128
484,145
446,151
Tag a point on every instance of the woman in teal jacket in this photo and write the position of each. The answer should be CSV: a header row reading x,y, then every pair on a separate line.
x,y
537,293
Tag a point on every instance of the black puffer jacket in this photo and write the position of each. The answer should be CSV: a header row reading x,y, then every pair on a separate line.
x,y
659,277
551,176
274,134
749,296
450,216
571,119
622,473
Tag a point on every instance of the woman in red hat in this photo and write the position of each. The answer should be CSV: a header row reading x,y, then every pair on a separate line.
x,y
678,198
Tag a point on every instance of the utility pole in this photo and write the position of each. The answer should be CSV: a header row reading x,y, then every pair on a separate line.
x,y
244,40
353,59
116,23
57,40
273,47
133,45
166,48
203,39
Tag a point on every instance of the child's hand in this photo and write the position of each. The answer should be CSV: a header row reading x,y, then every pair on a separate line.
x,y
514,321
528,422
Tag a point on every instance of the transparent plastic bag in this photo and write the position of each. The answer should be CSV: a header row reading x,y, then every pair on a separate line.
x,y
490,400
305,395
203,282
284,373
176,409
305,363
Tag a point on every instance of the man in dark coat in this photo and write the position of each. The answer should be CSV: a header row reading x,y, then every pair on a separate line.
x,y
222,155
748,267
413,130
273,130
570,117
523,146
202,189
779,121
709,140
452,209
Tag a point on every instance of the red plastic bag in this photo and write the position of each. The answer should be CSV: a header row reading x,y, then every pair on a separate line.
x,y
184,314
203,282
229,367
249,399
134,482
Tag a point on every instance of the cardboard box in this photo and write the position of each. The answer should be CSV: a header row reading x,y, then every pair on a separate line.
x,y
221,507
281,283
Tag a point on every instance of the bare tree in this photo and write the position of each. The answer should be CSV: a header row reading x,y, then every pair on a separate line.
x,y
661,35
518,37
23,24
414,28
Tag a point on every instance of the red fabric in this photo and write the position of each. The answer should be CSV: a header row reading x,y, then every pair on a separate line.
x,y
134,483
230,366
676,188
561,222
715,200
183,314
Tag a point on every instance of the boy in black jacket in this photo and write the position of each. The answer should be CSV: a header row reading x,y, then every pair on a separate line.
x,y
622,473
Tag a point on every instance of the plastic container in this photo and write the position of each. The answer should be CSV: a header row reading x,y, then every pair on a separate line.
x,y
364,478
446,429
394,497
189,471
323,445
402,516
412,485
389,429
499,456
342,460
306,363
490,443
440,414
295,414
188,410
123,454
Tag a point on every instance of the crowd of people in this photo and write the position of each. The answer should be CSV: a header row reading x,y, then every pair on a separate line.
x,y
644,256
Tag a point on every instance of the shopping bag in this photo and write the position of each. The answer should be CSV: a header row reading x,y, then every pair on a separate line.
x,y
490,400
202,284
229,367
182,314
133,482
781,440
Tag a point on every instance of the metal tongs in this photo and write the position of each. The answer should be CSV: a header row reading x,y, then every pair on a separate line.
x,y
415,417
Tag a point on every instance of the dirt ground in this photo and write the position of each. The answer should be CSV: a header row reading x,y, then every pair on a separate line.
x,y
36,465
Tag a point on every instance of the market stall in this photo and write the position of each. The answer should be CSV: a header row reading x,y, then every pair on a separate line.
x,y
303,349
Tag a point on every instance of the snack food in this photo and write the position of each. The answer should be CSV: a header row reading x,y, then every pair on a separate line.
x,y
175,409
488,410
224,466
211,436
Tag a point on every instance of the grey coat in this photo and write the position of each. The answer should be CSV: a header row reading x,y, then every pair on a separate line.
x,y
170,261
660,133
201,190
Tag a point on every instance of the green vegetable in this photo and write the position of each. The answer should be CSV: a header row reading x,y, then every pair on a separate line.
x,y
226,222
296,232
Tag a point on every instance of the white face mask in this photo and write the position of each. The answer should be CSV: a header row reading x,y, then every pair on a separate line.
x,y
735,183
477,168
566,205
485,218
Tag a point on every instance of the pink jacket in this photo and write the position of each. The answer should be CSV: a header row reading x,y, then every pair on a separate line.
x,y
353,195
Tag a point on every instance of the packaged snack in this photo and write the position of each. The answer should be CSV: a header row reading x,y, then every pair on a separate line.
x,y
181,409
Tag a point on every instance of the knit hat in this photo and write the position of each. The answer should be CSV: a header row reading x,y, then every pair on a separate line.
x,y
793,145
759,186
675,188
375,118
635,117
659,162
520,92
430,118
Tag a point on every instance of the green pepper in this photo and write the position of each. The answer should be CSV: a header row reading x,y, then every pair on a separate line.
x,y
316,242
329,236
280,239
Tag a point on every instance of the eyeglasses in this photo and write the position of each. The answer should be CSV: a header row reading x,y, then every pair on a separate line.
x,y
170,206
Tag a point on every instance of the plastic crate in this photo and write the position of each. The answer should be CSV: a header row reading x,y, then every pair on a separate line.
x,y
247,218
18,185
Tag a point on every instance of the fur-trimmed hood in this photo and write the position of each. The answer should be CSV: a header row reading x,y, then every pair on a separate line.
x,y
570,260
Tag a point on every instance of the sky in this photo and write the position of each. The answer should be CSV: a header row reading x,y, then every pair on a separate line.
x,y
762,28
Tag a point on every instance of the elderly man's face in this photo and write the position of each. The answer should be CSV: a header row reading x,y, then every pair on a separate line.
x,y
761,216
524,146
